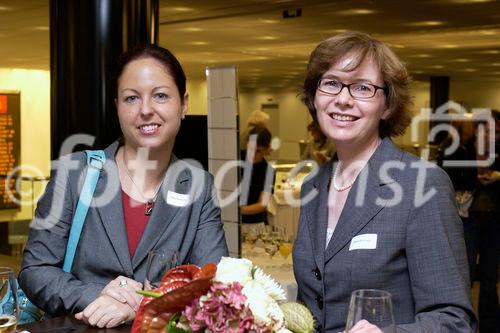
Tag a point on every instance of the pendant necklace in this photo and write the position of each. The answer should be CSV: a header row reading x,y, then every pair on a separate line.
x,y
149,203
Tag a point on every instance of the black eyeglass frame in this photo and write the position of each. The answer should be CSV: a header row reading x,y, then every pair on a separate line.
x,y
348,86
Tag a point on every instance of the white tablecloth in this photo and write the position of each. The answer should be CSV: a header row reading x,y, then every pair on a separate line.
x,y
276,266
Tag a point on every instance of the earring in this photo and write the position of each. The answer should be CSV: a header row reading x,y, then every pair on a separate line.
x,y
183,116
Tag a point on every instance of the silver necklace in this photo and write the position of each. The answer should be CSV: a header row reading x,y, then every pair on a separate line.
x,y
334,180
149,203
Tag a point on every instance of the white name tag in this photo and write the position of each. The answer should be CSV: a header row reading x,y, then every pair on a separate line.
x,y
177,199
364,242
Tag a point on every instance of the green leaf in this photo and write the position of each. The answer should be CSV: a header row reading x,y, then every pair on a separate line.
x,y
149,293
171,328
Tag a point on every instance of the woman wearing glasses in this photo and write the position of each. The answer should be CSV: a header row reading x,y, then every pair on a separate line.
x,y
376,217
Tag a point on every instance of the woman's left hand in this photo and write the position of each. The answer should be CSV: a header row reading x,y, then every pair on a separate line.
x,y
107,312
123,289
363,326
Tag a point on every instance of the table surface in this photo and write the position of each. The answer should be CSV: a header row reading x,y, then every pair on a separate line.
x,y
68,324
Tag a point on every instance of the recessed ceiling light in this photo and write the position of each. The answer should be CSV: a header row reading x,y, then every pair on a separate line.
x,y
488,32
489,52
446,46
356,11
261,58
198,43
425,23
335,31
420,55
397,46
470,1
468,70
41,28
4,8
460,60
417,72
261,49
268,21
266,37
436,66
495,64
191,29
177,9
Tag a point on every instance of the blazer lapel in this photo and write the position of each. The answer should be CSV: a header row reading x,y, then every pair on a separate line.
x,y
112,213
316,213
358,211
163,212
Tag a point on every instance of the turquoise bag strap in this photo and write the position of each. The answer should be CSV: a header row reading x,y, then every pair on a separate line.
x,y
95,162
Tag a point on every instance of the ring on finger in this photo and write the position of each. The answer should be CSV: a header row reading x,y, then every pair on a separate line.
x,y
122,282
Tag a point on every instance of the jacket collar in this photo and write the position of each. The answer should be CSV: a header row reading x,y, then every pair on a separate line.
x,y
360,206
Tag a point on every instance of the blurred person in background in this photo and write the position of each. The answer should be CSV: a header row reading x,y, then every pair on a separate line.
x,y
319,149
485,210
258,181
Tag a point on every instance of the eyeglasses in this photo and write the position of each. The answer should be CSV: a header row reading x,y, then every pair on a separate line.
x,y
356,90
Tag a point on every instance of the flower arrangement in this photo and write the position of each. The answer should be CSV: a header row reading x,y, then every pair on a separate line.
x,y
232,297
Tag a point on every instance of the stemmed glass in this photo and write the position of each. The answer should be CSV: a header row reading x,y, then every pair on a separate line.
x,y
373,305
159,263
9,312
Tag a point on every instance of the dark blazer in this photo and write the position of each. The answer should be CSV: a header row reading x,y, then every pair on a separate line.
x,y
194,229
419,256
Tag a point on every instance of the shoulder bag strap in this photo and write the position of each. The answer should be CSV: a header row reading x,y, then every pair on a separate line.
x,y
95,162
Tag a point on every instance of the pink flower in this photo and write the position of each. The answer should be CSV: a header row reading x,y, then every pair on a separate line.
x,y
223,309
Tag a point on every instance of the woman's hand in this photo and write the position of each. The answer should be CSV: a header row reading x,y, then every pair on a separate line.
x,y
105,311
123,289
363,326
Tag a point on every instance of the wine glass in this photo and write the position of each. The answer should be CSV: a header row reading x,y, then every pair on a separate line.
x,y
159,263
285,249
373,305
9,312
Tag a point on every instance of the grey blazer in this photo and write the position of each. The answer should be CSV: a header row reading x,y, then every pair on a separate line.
x,y
419,254
193,228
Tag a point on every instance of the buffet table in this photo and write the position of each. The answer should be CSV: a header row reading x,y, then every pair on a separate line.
x,y
276,266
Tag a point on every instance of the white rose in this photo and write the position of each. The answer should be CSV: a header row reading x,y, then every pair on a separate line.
x,y
231,270
264,308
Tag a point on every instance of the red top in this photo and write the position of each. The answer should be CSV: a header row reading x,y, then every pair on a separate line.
x,y
135,221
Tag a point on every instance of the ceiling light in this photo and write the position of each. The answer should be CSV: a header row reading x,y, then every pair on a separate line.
x,y
421,55
470,1
397,46
426,23
488,52
261,58
4,8
198,43
41,28
356,11
267,37
468,70
191,29
495,64
488,32
436,66
268,21
447,46
417,72
177,9
461,60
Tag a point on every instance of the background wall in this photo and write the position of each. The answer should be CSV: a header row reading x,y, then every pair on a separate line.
x,y
34,86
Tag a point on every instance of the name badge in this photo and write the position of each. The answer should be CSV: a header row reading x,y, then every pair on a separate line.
x,y
177,199
364,242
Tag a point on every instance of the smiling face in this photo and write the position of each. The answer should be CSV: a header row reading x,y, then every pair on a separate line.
x,y
149,105
344,119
